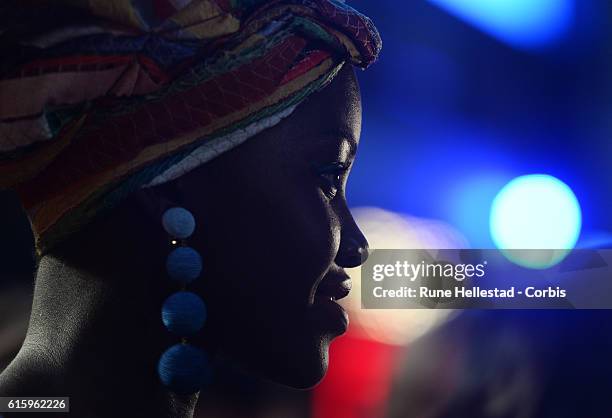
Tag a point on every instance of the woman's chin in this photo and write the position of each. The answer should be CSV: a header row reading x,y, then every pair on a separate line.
x,y
306,370
302,377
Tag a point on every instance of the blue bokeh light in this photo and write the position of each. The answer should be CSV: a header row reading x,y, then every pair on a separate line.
x,y
468,203
525,24
535,211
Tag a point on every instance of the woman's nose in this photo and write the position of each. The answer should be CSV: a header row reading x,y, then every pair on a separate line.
x,y
353,252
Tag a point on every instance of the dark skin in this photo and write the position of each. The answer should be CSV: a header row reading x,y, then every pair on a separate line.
x,y
272,224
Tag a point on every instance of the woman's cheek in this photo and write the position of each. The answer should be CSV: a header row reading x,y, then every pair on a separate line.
x,y
327,226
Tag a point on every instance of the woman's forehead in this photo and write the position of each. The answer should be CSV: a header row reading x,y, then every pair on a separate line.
x,y
334,112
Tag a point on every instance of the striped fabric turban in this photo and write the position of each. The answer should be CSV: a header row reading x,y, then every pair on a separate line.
x,y
101,97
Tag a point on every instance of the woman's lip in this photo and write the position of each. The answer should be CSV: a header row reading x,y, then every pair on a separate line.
x,y
327,313
336,287
330,315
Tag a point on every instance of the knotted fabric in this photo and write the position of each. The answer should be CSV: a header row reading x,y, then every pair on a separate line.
x,y
101,97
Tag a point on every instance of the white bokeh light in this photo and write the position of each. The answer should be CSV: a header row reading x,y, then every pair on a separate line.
x,y
535,211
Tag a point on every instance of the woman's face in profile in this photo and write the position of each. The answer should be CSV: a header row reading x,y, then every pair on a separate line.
x,y
275,234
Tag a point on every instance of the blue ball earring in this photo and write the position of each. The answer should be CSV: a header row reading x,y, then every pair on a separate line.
x,y
183,368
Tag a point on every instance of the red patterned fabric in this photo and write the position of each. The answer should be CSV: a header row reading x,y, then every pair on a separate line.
x,y
110,99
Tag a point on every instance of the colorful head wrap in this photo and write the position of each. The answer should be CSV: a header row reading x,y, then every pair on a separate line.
x,y
122,94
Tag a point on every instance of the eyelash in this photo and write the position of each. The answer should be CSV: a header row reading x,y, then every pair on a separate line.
x,y
331,176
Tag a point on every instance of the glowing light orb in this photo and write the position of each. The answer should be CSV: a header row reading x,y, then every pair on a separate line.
x,y
524,24
535,212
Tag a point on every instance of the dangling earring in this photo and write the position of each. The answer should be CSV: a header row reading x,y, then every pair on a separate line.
x,y
183,368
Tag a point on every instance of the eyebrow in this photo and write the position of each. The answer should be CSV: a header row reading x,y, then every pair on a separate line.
x,y
345,135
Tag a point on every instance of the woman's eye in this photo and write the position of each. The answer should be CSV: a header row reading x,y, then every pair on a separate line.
x,y
331,176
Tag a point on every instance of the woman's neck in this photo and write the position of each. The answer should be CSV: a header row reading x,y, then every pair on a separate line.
x,y
95,335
